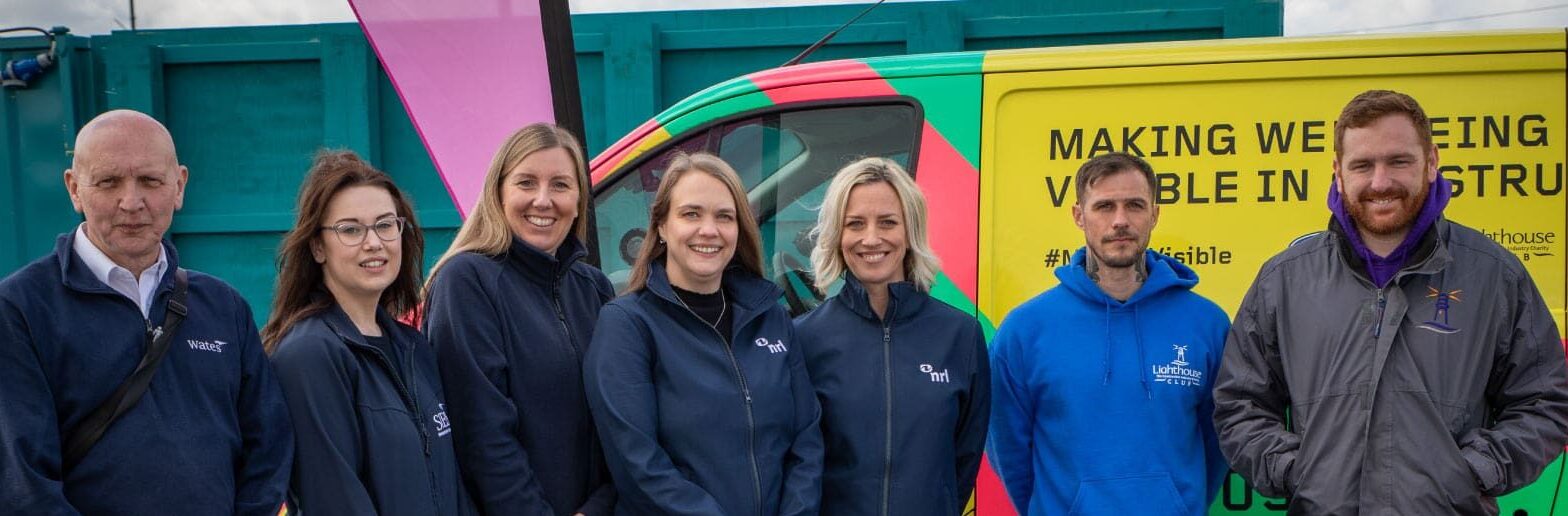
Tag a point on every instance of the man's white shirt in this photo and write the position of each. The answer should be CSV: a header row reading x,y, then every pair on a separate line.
x,y
139,291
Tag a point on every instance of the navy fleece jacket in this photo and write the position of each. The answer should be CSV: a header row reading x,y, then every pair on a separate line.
x,y
371,431
210,436
509,333
905,401
1103,406
696,426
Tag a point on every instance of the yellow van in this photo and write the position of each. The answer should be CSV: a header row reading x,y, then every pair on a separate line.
x,y
1240,132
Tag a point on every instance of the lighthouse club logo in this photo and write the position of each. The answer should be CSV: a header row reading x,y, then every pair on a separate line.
x,y
1176,372
1439,322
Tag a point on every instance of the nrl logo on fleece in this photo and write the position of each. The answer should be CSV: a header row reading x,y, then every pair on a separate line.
x,y
777,346
215,346
1177,372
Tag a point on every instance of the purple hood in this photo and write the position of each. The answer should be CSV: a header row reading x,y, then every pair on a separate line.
x,y
1381,269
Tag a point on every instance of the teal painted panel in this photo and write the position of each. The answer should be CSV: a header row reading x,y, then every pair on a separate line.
x,y
37,129
246,140
1091,39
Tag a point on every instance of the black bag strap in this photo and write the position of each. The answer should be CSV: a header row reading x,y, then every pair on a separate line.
x,y
91,429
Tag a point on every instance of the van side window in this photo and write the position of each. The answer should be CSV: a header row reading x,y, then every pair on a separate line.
x,y
785,159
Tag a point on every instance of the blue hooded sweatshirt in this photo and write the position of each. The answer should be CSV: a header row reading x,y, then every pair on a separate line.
x,y
693,425
210,436
509,333
1104,407
371,431
905,401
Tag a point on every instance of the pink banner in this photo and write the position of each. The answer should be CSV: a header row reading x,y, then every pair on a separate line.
x,y
469,72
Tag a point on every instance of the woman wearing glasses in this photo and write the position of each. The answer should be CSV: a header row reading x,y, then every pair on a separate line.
x,y
371,431
510,309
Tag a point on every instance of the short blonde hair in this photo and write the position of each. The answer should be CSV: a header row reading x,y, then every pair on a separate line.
x,y
827,260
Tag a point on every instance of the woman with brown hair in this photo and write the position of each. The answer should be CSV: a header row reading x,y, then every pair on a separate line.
x,y
704,404
371,431
510,309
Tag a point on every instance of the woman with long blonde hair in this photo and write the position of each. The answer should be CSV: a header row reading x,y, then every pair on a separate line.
x,y
511,308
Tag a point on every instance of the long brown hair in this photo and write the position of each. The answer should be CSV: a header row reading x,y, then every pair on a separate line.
x,y
299,276
486,231
748,245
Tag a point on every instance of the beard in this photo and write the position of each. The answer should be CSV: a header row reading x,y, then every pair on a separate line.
x,y
1105,256
1409,209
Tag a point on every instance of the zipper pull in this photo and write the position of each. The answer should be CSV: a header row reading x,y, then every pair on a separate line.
x,y
1382,302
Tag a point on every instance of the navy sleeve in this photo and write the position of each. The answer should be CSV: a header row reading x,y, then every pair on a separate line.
x,y
1012,417
30,478
974,419
267,437
463,324
618,378
319,387
804,462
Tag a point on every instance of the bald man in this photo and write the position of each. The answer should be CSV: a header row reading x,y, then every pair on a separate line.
x,y
93,418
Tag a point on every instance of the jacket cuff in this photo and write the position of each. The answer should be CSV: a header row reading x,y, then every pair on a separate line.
x,y
1488,477
1281,481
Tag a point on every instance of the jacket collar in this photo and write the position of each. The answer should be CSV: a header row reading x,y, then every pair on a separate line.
x,y
338,321
749,294
1429,255
76,275
543,268
904,299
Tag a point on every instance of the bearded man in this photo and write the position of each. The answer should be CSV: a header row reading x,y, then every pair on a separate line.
x,y
1420,368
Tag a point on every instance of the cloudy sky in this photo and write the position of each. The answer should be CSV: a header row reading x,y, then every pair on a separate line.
x,y
1302,17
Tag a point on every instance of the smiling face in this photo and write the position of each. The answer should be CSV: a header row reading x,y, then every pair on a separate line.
x,y
699,232
364,270
1117,215
540,198
874,238
127,184
1384,173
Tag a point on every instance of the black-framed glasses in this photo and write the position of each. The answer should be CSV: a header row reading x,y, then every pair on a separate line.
x,y
353,233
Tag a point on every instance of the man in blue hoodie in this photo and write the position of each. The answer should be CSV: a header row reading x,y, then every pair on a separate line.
x,y
1100,385
210,434
1420,369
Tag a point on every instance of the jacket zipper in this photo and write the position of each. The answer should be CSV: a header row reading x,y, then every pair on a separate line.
x,y
751,425
560,315
1382,303
408,397
887,379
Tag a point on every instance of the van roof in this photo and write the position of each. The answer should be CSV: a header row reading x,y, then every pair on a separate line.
x,y
1166,53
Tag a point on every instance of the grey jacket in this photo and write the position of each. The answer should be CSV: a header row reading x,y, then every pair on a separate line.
x,y
1432,395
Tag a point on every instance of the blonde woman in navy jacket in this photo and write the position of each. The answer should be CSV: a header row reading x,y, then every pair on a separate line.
x,y
693,376
903,378
510,308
